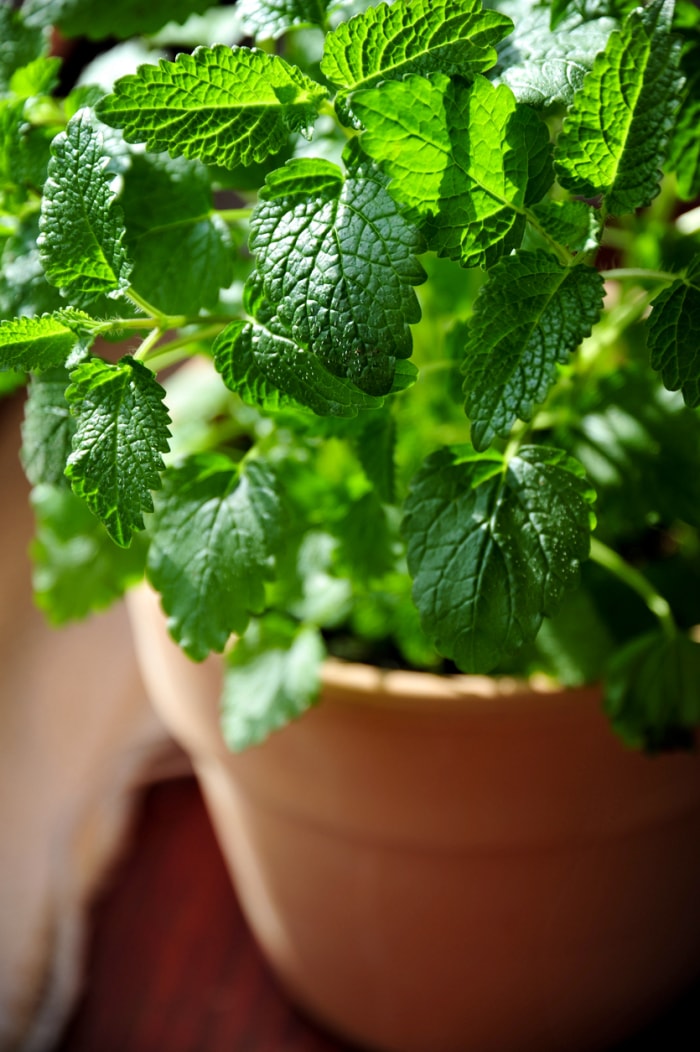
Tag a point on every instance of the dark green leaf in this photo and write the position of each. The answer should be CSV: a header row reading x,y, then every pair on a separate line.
x,y
493,547
375,443
48,429
122,429
571,223
673,335
20,44
98,19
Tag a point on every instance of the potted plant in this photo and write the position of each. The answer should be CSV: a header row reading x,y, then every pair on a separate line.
x,y
440,262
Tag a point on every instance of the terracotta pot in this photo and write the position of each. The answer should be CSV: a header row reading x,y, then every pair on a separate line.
x,y
458,865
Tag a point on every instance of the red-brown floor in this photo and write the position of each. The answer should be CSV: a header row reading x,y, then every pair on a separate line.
x,y
173,968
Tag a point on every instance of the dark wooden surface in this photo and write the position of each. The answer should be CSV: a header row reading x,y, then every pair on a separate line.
x,y
173,968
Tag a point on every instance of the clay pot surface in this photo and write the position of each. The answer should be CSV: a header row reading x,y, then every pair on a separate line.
x,y
460,865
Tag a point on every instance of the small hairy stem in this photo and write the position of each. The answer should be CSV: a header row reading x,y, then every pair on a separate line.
x,y
615,564
182,347
150,341
143,304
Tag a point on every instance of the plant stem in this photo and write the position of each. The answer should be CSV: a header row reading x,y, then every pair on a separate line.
x,y
615,564
621,273
233,215
171,352
150,341
145,306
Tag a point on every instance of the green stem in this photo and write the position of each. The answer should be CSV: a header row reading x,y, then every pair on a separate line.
x,y
615,564
171,352
234,215
143,304
622,273
150,341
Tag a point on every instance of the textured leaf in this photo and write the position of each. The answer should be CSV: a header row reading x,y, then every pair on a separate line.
x,y
77,568
336,259
213,534
531,313
684,152
615,135
673,335
97,19
48,428
386,42
82,229
122,429
24,289
225,106
375,443
269,19
272,675
39,343
181,251
652,692
20,44
571,223
456,159
492,547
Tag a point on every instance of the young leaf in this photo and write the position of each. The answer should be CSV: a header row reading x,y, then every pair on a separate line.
x,y
39,343
531,313
336,259
122,428
269,19
456,158
493,546
214,533
455,37
673,335
272,675
226,106
48,428
652,691
82,229
20,44
118,18
615,135
77,569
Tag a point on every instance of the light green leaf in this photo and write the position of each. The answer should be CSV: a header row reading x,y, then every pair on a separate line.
x,y
98,19
122,429
20,43
337,261
82,229
456,158
35,344
615,135
531,314
38,77
214,533
673,335
493,546
270,19
77,568
225,106
48,428
272,675
652,692
386,42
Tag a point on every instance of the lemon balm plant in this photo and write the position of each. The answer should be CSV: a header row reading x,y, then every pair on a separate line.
x,y
444,260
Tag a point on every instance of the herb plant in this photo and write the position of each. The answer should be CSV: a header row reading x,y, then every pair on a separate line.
x,y
444,260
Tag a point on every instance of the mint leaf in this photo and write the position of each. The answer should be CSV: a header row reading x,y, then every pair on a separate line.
x,y
226,106
272,675
181,251
119,18
122,428
615,135
652,691
269,19
40,343
571,223
375,445
673,335
684,152
456,159
48,428
82,230
214,533
20,44
77,569
493,546
336,259
38,77
413,36
531,314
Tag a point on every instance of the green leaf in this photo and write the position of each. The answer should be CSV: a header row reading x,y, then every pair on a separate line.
x,y
225,106
576,643
77,568
375,444
270,19
39,343
38,77
673,335
214,533
571,223
615,135
122,428
455,37
493,547
118,18
336,260
652,692
181,251
48,428
456,158
23,288
272,675
531,314
20,44
82,228
684,152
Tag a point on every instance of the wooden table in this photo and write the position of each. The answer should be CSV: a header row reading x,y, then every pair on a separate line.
x,y
173,967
